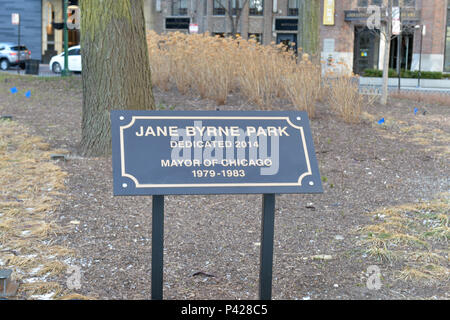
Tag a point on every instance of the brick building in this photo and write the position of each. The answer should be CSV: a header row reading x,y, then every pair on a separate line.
x,y
343,27
343,33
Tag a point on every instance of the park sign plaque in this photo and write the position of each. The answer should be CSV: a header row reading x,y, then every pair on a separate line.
x,y
212,152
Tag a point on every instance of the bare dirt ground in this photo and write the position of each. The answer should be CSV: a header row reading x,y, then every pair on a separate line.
x,y
324,244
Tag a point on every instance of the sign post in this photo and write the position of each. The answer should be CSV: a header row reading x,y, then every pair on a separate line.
x,y
267,233
157,246
397,31
65,71
181,152
15,20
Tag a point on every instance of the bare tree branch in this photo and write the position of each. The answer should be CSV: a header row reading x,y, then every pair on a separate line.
x,y
234,19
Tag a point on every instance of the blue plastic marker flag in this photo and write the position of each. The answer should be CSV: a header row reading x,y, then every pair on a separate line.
x,y
28,94
415,111
381,121
13,90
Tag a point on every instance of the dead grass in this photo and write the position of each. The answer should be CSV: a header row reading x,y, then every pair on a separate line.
x,y
427,257
415,235
381,254
417,131
345,98
428,272
215,67
75,296
423,97
22,262
52,268
303,86
41,288
28,197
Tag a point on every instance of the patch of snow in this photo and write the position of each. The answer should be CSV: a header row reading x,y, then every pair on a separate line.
x,y
35,270
47,296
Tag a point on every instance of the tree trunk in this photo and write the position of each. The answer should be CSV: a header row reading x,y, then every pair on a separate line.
x,y
387,48
309,31
229,12
234,19
116,69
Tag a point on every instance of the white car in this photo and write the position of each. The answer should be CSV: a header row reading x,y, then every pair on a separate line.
x,y
74,60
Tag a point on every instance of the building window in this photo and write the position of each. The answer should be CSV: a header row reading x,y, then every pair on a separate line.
x,y
179,8
256,7
395,3
409,3
365,3
236,6
404,3
292,8
219,8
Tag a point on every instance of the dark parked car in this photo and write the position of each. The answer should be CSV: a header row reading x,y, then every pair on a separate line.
x,y
9,55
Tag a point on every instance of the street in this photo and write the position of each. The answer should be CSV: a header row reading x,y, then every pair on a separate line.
x,y
44,71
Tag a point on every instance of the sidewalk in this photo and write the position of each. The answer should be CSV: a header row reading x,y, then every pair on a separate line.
x,y
44,71
426,85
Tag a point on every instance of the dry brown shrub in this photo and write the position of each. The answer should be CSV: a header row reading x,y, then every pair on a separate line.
x,y
304,85
213,67
345,98
193,62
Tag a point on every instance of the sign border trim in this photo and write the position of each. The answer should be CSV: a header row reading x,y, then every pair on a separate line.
x,y
138,185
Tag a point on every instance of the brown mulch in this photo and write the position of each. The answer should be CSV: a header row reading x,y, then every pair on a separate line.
x,y
212,242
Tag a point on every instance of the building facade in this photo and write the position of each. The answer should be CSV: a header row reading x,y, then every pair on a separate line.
x,y
51,28
344,36
30,22
40,26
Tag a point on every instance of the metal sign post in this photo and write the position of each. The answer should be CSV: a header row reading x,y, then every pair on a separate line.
x,y
15,20
266,257
157,246
65,71
201,152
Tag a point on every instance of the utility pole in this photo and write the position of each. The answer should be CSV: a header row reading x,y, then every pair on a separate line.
x,y
422,31
387,49
18,43
399,50
65,71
